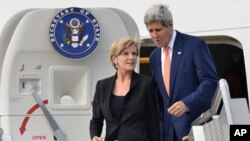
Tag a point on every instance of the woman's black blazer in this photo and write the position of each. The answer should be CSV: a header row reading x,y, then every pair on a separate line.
x,y
140,118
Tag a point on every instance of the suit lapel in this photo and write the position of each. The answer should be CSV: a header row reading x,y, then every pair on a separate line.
x,y
134,80
176,58
108,92
159,70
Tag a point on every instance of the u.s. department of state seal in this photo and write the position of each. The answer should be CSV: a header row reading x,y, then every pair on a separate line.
x,y
74,33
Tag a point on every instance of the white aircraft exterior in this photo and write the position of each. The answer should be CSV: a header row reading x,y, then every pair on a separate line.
x,y
223,24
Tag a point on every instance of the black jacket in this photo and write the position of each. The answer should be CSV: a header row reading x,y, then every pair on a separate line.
x,y
140,118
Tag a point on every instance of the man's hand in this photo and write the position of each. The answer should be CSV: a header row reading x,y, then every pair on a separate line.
x,y
177,109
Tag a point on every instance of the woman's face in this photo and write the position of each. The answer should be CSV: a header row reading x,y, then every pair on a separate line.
x,y
126,61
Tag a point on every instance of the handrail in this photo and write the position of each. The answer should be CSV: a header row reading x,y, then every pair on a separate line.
x,y
144,60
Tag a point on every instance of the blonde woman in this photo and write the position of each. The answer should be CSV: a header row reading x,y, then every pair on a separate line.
x,y
126,100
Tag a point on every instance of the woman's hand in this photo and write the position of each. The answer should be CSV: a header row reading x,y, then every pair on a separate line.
x,y
95,138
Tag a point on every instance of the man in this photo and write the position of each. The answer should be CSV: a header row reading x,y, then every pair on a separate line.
x,y
184,71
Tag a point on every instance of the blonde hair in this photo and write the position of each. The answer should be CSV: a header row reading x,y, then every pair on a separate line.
x,y
119,45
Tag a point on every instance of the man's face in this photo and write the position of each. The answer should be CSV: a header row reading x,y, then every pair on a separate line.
x,y
160,34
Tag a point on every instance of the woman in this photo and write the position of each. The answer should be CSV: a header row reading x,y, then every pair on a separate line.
x,y
126,101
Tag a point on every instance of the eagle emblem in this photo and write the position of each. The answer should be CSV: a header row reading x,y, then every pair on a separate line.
x,y
74,33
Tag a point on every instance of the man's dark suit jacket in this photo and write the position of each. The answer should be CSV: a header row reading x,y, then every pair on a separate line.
x,y
140,118
193,80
